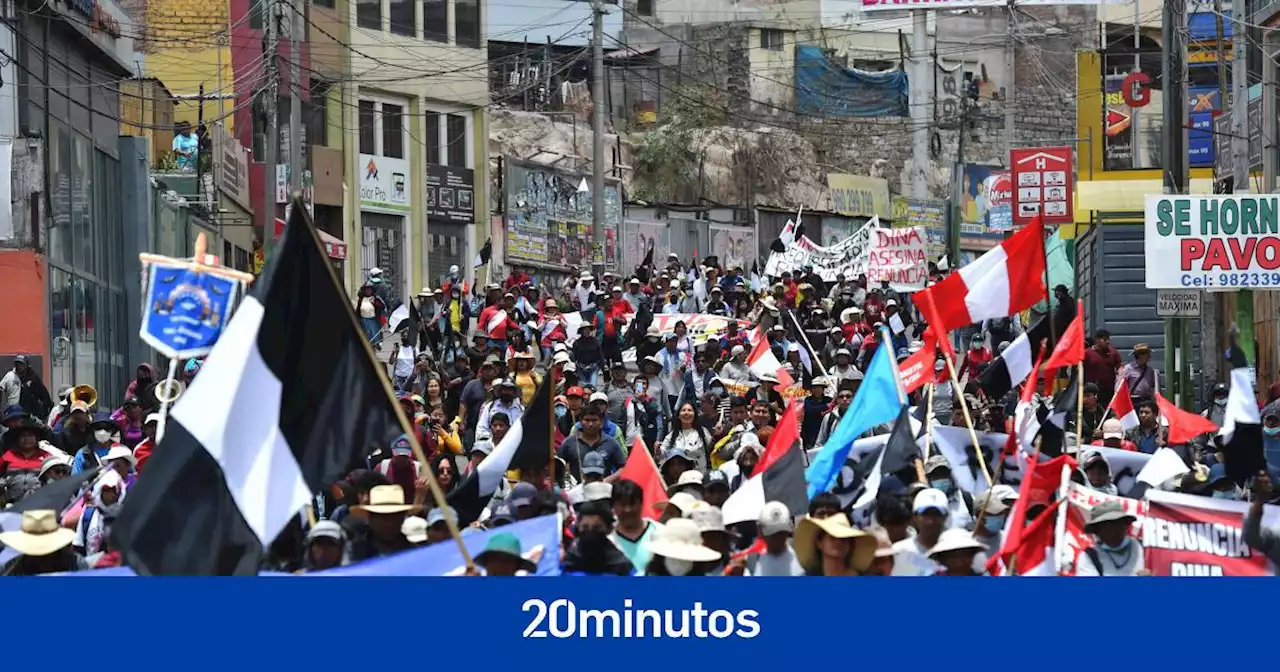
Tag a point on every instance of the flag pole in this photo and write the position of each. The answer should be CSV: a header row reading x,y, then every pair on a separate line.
x,y
406,427
968,419
928,421
1080,408
1048,290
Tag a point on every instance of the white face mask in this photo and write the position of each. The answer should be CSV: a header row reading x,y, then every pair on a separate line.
x,y
677,567
102,435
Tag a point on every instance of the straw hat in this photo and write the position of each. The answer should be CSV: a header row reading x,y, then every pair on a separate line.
x,y
955,540
838,526
40,534
683,501
386,499
682,540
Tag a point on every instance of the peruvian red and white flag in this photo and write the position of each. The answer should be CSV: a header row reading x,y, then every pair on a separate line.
x,y
762,362
1122,406
1005,280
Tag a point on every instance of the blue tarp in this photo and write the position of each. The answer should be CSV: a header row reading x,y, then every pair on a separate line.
x,y
830,89
435,560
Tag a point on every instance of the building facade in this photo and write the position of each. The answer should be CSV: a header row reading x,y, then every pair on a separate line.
x,y
61,260
413,109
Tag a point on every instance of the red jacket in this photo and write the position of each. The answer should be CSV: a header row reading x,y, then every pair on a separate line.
x,y
142,452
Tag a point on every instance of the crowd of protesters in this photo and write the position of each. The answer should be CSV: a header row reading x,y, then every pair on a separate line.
x,y
470,359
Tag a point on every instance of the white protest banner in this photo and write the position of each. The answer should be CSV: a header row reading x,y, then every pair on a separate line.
x,y
1181,534
1199,242
898,255
848,257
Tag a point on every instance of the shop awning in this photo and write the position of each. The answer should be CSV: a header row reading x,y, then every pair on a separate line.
x,y
334,246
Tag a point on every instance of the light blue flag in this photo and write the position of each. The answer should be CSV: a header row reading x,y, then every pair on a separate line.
x,y
878,401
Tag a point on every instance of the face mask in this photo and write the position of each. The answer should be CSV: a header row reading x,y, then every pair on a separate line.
x,y
1115,549
1220,401
943,484
592,544
1224,494
640,389
719,392
677,567
561,411
1271,431
102,435
993,524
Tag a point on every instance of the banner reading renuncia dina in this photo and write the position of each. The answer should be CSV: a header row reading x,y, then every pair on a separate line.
x,y
1202,242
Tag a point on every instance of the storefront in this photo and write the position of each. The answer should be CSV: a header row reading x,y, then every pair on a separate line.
x,y
385,207
69,61
450,213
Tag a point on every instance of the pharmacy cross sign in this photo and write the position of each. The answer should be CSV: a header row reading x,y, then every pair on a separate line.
x,y
1042,184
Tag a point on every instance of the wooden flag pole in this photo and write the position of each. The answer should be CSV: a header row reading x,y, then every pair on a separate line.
x,y
928,436
1080,408
968,419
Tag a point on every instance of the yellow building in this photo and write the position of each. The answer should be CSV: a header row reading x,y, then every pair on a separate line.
x,y
188,46
413,109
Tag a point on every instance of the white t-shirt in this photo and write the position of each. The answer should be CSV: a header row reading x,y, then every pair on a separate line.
x,y
367,309
404,360
782,564
1125,563
911,558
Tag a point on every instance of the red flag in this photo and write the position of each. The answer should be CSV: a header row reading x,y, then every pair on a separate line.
x,y
931,340
1070,348
1122,406
1183,425
762,362
784,437
641,469
1006,280
1033,553
1041,481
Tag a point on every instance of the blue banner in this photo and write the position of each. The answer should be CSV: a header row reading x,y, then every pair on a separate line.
x,y
185,309
716,624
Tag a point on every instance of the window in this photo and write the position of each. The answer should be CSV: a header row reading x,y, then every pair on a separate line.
x,y
87,239
402,18
456,136
644,7
392,131
60,236
433,138
369,14
771,39
368,127
317,118
435,20
466,18
328,4
257,12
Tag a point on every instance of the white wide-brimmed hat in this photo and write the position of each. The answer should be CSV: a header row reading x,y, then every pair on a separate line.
x,y
682,540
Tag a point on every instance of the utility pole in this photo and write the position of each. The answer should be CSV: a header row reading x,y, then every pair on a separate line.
x,y
922,66
1010,87
295,103
1270,115
1240,97
271,143
1174,157
597,127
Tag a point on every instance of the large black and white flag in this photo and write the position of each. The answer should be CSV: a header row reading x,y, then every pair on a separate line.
x,y
1241,433
527,444
288,401
1015,364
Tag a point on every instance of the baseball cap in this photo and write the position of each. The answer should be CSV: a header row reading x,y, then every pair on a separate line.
x,y
738,350
482,446
599,396
151,417
998,499
775,517
575,391
593,463
1112,429
326,529
522,494
707,517
935,462
401,446
690,479
717,478
439,516
501,514
930,498
414,529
